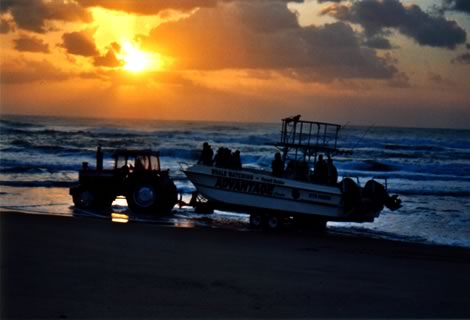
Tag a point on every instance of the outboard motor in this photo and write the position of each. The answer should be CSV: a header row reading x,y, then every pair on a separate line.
x,y
351,194
379,197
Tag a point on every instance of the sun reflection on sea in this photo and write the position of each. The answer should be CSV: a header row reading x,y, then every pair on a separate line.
x,y
119,218
119,208
184,223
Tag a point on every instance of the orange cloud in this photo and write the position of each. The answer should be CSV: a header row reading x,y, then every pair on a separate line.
x,y
147,7
31,44
6,25
80,43
20,71
107,60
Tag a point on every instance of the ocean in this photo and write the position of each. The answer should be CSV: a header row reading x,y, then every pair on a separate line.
x,y
428,168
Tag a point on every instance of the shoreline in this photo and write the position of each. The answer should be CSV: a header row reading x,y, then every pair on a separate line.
x,y
204,222
57,267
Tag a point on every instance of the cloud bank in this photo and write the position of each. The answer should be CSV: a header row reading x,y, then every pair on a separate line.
x,y
34,15
266,35
376,16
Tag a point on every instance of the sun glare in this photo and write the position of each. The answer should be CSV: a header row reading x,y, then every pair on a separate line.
x,y
136,60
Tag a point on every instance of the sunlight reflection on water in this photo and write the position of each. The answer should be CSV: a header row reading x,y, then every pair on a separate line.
x,y
119,218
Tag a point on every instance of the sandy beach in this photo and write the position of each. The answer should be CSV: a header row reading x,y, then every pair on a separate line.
x,y
59,267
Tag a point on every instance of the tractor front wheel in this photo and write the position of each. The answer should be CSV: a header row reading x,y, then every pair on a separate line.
x,y
91,200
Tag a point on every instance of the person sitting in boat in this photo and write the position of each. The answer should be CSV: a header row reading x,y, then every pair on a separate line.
x,y
277,165
320,173
301,170
206,155
99,158
222,158
332,172
235,161
218,157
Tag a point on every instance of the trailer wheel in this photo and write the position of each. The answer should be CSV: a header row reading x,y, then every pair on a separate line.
x,y
257,220
274,222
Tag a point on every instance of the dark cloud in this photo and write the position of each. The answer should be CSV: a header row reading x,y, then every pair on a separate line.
x,y
378,42
22,71
457,5
33,15
215,38
253,15
80,43
377,15
6,25
400,80
31,44
463,58
109,59
439,80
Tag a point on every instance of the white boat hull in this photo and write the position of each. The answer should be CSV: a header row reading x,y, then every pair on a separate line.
x,y
251,190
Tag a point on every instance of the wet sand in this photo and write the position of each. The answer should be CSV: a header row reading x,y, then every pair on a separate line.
x,y
60,267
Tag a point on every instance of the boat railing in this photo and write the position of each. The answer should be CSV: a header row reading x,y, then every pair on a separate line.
x,y
300,139
309,133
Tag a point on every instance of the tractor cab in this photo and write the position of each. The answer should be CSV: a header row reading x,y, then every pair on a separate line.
x,y
137,160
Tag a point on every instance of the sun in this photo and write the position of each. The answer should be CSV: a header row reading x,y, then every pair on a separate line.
x,y
136,60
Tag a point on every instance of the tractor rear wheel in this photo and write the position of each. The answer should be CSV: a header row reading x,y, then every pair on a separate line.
x,y
142,198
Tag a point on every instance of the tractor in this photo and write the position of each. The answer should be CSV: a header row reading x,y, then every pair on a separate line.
x,y
136,175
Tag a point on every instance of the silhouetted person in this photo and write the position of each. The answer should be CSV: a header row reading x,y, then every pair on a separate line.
x,y
277,165
320,174
206,155
99,159
301,170
332,172
139,164
227,156
235,161
219,157
289,172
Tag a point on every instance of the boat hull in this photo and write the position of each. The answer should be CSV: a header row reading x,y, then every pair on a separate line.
x,y
253,190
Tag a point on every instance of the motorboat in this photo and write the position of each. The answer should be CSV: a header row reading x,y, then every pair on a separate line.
x,y
298,192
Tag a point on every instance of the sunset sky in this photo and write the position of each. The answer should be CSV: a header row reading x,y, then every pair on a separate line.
x,y
382,62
